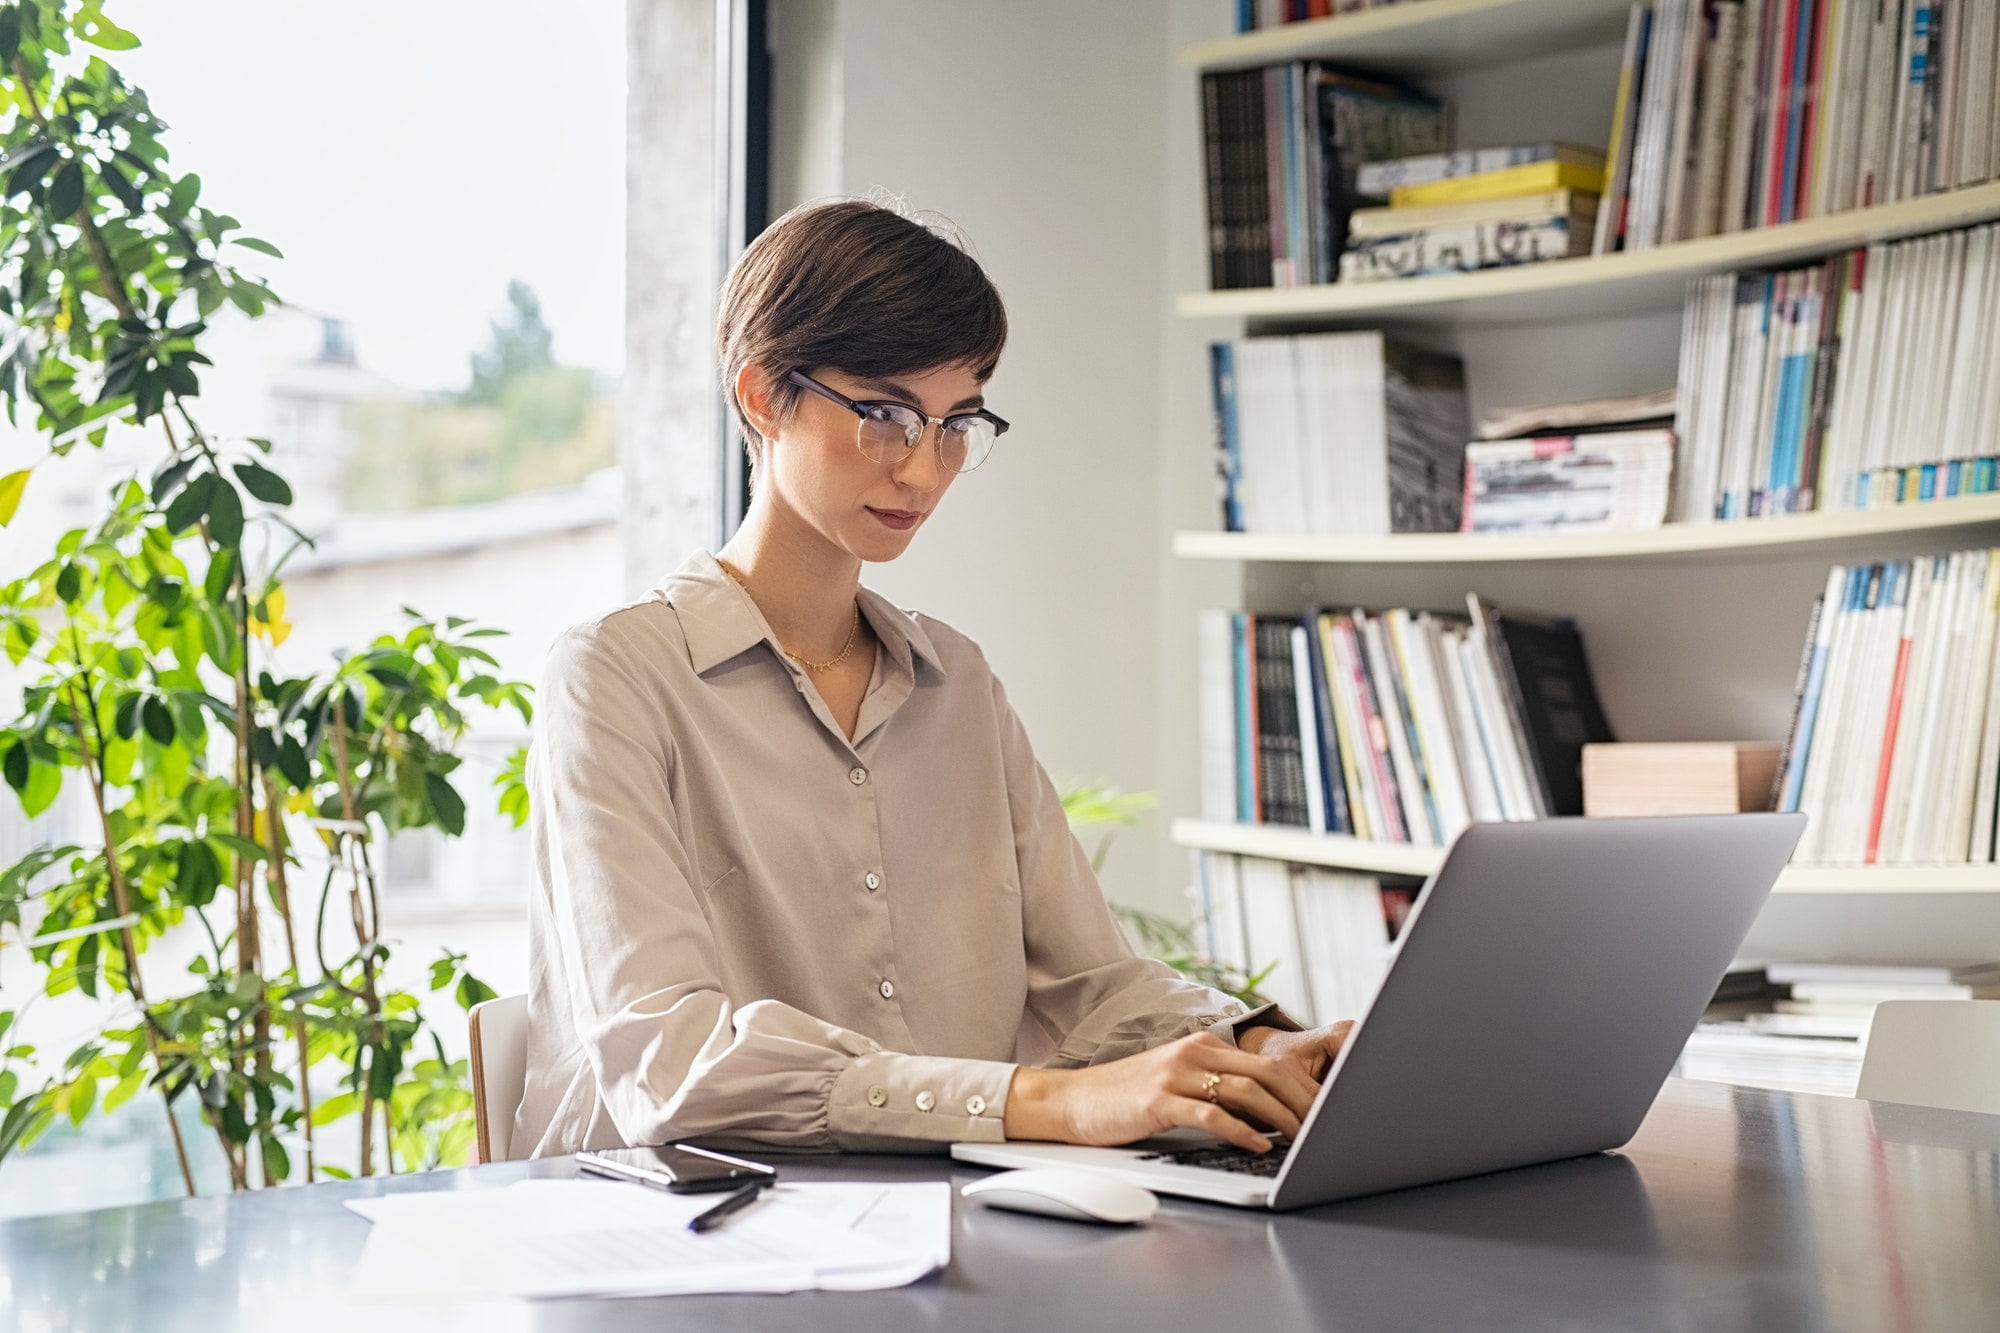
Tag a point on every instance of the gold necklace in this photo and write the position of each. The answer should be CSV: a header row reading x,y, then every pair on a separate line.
x,y
853,632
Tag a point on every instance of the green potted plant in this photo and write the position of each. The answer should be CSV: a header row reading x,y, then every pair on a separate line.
x,y
146,643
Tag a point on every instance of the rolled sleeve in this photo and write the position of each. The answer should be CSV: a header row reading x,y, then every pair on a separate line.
x,y
888,1099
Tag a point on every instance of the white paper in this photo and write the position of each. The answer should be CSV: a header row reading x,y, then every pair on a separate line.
x,y
545,1238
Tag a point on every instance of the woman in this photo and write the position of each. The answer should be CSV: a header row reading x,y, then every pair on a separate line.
x,y
801,880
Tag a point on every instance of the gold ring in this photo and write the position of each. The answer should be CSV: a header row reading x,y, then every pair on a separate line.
x,y
1209,1083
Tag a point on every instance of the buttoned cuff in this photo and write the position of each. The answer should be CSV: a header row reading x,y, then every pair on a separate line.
x,y
885,1099
1263,1016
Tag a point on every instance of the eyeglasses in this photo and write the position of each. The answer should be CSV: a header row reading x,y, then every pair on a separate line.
x,y
890,431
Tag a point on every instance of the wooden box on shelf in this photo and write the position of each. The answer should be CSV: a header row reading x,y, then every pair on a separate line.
x,y
1685,778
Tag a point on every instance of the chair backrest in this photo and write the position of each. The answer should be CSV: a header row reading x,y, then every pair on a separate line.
x,y
499,1040
1943,1053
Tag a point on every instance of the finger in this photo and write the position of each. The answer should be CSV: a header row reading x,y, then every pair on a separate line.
x,y
1282,1078
1213,1119
1248,1097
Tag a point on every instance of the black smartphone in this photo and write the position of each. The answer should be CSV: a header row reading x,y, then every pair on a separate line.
x,y
679,1167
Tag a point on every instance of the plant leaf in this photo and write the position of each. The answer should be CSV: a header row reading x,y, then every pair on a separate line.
x,y
225,514
265,484
446,804
12,486
66,192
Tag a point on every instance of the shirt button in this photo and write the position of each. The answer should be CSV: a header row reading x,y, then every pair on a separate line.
x,y
888,990
857,775
877,1095
873,881
975,1104
926,1100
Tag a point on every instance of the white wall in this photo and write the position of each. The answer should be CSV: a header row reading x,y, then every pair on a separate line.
x,y
1035,127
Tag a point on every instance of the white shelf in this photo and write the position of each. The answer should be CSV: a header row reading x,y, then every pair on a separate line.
x,y
1673,540
1624,283
1290,844
1424,36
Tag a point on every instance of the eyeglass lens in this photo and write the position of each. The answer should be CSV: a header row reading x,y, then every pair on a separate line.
x,y
889,432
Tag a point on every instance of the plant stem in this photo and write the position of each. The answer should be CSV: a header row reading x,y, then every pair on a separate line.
x,y
364,932
91,740
281,894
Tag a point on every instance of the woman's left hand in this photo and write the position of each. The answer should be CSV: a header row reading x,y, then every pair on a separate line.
x,y
1310,1052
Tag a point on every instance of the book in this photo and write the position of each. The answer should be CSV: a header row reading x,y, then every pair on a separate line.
x,y
1547,678
1657,408
1381,179
1465,247
1609,230
1529,178
1365,223
1983,972
1872,992
1280,760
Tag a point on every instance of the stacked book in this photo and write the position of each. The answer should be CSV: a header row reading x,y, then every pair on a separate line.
x,y
1337,434
1809,1033
1747,1037
1398,726
1316,940
1254,14
1602,466
1478,208
1858,382
1895,739
1733,114
1281,145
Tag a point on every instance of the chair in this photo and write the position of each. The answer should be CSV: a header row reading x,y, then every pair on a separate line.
x,y
498,1032
1943,1053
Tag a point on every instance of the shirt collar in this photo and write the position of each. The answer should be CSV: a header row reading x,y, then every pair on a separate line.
x,y
719,621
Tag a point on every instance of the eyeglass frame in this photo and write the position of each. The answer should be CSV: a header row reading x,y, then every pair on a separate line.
x,y
860,406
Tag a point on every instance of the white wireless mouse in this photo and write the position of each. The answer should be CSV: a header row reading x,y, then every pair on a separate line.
x,y
1084,1196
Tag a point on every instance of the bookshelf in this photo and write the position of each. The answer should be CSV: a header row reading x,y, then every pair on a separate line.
x,y
1536,333
1620,283
1287,844
1848,533
1423,38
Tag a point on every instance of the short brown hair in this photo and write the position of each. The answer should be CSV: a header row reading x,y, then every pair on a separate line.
x,y
856,286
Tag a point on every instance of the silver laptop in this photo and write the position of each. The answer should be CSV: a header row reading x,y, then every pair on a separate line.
x,y
1543,988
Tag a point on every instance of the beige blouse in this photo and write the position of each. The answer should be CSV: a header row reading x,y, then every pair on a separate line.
x,y
748,929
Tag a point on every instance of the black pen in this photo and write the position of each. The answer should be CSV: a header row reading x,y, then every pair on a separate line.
x,y
716,1216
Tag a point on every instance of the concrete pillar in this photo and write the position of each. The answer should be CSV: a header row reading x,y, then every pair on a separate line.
x,y
670,424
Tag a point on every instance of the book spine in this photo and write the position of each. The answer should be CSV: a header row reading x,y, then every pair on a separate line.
x,y
1310,760
1463,248
1806,693
1212,139
1618,163
1912,597
1243,628
1800,685
1228,447
1281,762
1334,794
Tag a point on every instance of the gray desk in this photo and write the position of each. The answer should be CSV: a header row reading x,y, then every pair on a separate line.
x,y
1732,1209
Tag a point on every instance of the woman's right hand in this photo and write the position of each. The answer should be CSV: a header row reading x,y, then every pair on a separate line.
x,y
1161,1089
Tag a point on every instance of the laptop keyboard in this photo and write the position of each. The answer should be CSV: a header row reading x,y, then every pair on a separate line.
x,y
1225,1159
